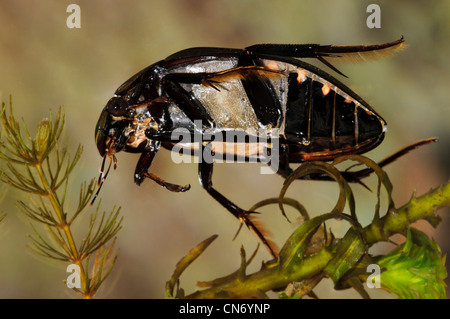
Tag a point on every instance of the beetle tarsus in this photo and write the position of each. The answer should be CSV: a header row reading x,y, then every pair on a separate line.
x,y
171,187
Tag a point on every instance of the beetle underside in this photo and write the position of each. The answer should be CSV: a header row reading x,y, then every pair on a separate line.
x,y
264,92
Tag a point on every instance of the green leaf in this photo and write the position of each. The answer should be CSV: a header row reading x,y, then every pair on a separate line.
x,y
415,269
285,200
349,251
292,252
383,179
317,168
185,262
42,136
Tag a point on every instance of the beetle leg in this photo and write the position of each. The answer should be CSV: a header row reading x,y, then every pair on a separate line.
x,y
193,109
144,163
260,90
316,50
238,73
354,53
171,187
205,178
352,177
284,168
214,79
358,175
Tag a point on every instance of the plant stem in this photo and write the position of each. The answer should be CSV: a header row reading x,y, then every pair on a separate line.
x,y
266,279
397,221
53,198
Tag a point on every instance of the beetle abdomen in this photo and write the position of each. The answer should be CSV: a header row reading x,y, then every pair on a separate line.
x,y
324,120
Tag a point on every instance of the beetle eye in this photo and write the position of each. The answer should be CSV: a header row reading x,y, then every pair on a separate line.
x,y
117,106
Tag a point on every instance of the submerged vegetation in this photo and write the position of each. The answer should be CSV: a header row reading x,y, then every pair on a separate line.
x,y
414,269
40,166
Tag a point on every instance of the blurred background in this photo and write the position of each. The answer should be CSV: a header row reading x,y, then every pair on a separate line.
x,y
45,65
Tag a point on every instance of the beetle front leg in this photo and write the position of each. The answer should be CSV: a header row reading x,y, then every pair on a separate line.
x,y
171,187
144,163
205,178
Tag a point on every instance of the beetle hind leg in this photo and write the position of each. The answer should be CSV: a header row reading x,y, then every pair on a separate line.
x,y
244,216
354,53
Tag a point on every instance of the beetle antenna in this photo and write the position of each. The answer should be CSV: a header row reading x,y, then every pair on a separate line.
x,y
115,162
101,171
102,177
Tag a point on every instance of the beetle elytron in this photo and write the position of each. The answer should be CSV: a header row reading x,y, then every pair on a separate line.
x,y
261,88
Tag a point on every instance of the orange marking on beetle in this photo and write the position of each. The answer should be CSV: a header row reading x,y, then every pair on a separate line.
x,y
301,75
272,65
326,89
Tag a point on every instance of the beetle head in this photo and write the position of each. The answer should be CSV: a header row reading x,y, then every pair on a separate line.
x,y
112,133
111,129
122,126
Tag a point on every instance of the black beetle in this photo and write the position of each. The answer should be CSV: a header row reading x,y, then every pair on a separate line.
x,y
262,91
